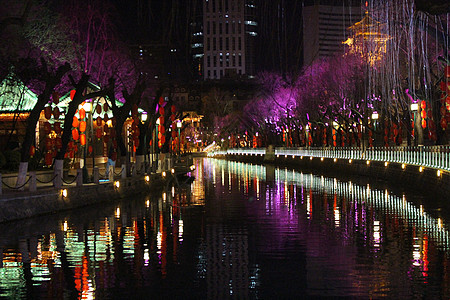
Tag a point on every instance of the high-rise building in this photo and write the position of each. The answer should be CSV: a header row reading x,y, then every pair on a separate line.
x,y
229,33
325,28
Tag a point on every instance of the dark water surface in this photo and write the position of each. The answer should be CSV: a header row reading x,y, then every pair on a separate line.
x,y
238,231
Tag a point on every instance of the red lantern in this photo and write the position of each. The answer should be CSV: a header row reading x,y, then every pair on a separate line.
x,y
161,111
82,139
48,158
423,104
172,117
98,108
32,150
444,123
72,94
99,132
82,126
174,134
75,122
99,121
161,120
56,113
173,109
90,149
105,107
424,123
55,97
163,129
105,118
75,134
48,112
82,113
161,101
423,113
163,139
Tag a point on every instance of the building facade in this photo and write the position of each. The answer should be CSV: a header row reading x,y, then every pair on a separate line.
x,y
325,28
229,33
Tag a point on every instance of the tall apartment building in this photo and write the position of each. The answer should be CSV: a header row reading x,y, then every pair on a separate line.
x,y
325,28
229,32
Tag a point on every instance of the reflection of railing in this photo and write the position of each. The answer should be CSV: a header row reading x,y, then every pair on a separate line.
x,y
437,157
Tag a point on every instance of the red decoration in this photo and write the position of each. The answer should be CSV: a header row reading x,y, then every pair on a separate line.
x,y
90,149
48,143
106,138
82,139
161,120
99,132
105,107
56,113
72,94
98,108
173,109
75,134
172,117
161,101
423,104
444,123
48,112
423,113
82,113
136,143
106,118
99,121
32,150
163,139
82,126
55,97
174,134
161,111
114,143
75,122
424,123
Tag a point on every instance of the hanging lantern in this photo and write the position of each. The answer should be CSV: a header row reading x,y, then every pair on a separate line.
x,y
161,101
82,139
424,124
423,104
99,121
47,127
75,122
48,158
161,111
444,123
55,97
163,139
56,113
82,113
99,132
90,149
98,108
173,109
32,150
423,114
105,118
172,117
105,107
48,112
75,134
161,120
174,134
105,128
83,126
163,129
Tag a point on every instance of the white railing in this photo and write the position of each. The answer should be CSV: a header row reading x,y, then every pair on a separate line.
x,y
437,157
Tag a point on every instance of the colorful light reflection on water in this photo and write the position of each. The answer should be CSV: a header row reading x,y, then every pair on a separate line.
x,y
238,231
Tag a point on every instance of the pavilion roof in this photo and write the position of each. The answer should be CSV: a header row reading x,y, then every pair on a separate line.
x,y
15,96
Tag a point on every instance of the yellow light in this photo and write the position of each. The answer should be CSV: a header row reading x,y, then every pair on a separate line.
x,y
147,178
321,159
117,184
310,158
349,161
293,156
164,174
335,160
118,212
421,169
278,155
65,226
403,166
147,203
386,163
64,193
368,162
172,170
301,157
439,173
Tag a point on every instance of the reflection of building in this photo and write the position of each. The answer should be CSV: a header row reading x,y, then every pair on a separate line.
x,y
367,39
324,29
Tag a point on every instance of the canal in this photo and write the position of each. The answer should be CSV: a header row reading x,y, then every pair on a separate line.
x,y
237,231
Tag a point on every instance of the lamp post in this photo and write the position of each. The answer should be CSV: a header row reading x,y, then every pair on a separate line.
x,y
415,108
179,124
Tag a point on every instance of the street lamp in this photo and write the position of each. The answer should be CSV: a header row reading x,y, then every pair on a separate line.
x,y
179,124
414,107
